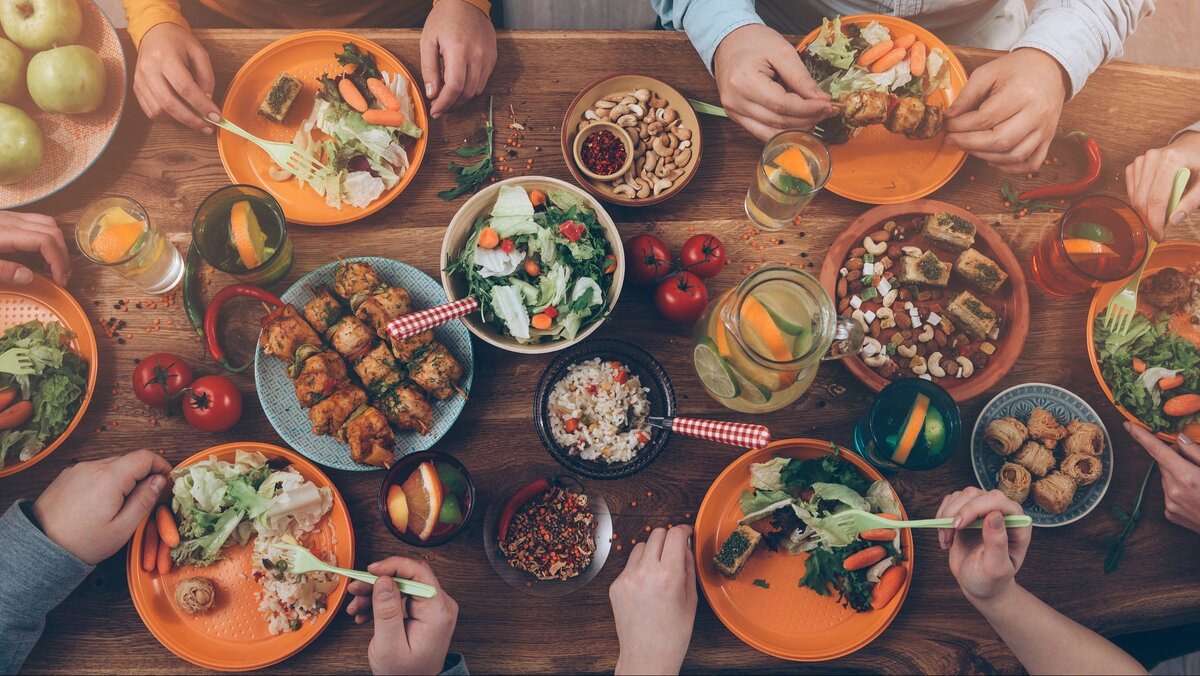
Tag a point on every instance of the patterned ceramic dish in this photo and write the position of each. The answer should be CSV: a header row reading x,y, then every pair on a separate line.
x,y
1017,402
278,395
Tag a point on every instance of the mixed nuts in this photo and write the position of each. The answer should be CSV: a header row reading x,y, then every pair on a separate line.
x,y
662,146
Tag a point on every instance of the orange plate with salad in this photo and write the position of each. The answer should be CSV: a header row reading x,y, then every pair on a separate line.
x,y
372,163
765,602
885,92
1153,375
218,608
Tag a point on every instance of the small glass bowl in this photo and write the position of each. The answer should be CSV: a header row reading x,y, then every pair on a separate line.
x,y
400,471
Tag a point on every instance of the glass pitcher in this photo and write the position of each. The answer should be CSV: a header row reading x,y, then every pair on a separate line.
x,y
757,347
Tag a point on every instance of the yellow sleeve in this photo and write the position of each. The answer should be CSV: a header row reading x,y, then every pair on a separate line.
x,y
146,14
484,6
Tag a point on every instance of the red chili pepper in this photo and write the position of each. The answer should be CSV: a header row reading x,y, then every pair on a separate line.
x,y
506,245
214,310
571,230
551,312
1094,164
514,503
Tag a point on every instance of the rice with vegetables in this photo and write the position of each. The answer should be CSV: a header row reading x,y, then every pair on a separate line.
x,y
598,411
288,599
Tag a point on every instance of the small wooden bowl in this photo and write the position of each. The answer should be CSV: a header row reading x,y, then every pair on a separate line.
x,y
622,136
616,84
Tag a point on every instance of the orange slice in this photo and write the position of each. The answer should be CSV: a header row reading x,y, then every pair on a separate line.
x,y
913,425
423,493
722,340
1079,246
246,234
397,508
117,233
795,163
759,321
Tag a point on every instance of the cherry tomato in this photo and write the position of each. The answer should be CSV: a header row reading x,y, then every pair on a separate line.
x,y
212,404
647,258
703,255
159,377
681,297
571,230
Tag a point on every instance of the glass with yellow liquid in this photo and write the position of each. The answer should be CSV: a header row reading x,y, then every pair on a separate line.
x,y
794,167
757,347
115,232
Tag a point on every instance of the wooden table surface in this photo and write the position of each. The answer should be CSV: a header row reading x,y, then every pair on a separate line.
x,y
170,170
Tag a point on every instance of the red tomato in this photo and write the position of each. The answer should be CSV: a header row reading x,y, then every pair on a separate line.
x,y
647,259
159,377
681,297
571,230
212,404
703,255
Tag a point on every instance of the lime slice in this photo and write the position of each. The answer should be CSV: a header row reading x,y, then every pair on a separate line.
x,y
935,432
786,325
1092,231
714,371
753,393
451,513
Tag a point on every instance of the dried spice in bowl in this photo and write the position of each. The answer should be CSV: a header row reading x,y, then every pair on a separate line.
x,y
552,535
603,153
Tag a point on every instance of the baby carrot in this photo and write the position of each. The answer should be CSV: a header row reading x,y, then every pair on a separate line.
x,y
351,95
905,41
871,54
168,532
1139,366
350,68
890,583
1171,383
537,197
532,268
7,395
916,59
382,94
878,534
150,548
488,238
867,557
164,559
384,118
1184,404
541,321
887,60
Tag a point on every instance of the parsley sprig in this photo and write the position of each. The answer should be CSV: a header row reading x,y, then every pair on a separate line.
x,y
1116,545
470,177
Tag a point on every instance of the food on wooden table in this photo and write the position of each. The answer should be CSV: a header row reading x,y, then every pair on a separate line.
x,y
1084,438
603,152
1049,458
1015,481
1005,435
548,531
354,277
906,115
1166,289
1044,427
371,439
736,550
972,315
980,272
429,502
565,290
925,268
950,232
1054,493
436,371
196,595
23,136
287,333
1035,457
1083,468
321,372
280,97
598,411
36,408
331,412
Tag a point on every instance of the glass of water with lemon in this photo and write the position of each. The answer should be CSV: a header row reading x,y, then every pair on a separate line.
x,y
241,230
793,168
116,233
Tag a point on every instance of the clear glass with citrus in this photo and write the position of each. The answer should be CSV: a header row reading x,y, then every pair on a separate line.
x,y
793,168
115,232
758,346
913,424
241,230
1098,239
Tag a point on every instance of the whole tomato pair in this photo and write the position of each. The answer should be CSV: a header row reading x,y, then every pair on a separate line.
x,y
210,403
681,294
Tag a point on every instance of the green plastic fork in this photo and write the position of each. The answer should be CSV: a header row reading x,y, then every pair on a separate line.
x,y
17,362
1118,316
304,561
287,155
848,524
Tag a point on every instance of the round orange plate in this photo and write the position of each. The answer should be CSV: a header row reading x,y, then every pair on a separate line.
x,y
1181,255
879,167
304,56
234,636
786,620
46,301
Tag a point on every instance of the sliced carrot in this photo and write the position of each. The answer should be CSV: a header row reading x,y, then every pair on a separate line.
x,y
164,559
384,118
1192,430
537,197
168,532
351,95
916,59
1139,366
541,321
488,238
1171,383
873,53
889,584
905,41
878,535
888,60
532,268
867,557
150,547
1184,404
7,395
382,94
571,424
889,517
16,415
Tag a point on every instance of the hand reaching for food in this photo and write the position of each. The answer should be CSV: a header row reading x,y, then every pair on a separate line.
x,y
174,77
92,508
30,233
1008,112
1148,180
1180,468
654,603
764,85
985,561
412,635
458,52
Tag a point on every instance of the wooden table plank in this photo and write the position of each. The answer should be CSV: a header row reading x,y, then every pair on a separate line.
x,y
170,170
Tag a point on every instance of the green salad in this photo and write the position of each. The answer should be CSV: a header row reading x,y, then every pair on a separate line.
x,y
1138,364
539,265
54,390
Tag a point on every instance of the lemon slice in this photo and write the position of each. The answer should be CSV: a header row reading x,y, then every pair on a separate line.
x,y
714,371
247,235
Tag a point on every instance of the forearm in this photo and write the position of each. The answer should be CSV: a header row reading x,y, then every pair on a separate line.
x,y
1048,642
706,22
146,14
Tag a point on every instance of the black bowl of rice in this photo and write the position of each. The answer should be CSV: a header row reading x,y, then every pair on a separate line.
x,y
591,405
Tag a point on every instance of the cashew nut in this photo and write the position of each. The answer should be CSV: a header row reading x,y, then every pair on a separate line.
x,y
642,95
890,297
682,157
660,169
935,365
654,128
968,367
685,144
887,319
626,121
637,109
926,334
873,247
590,115
861,318
918,365
643,187
870,347
656,102
625,189
649,160
661,185
914,251
670,115
618,110
614,98
683,134
664,144
907,350
605,104
876,360
584,124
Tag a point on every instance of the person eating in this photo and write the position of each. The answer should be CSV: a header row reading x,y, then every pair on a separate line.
x,y
1148,181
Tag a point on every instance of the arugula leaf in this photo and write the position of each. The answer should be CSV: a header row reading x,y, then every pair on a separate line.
x,y
469,178
367,68
828,469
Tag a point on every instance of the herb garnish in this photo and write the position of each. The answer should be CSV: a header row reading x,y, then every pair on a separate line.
x,y
471,177
1018,204
762,583
1116,546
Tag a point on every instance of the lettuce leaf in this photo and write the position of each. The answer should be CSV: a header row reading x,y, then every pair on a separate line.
x,y
832,45
510,308
512,215
766,475
840,493
874,33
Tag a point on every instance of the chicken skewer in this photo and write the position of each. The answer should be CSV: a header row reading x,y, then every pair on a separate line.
x,y
906,115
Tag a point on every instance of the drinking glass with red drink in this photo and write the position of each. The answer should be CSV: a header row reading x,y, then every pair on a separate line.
x,y
1098,239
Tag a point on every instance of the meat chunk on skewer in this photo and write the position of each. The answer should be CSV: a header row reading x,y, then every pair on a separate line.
x,y
931,123
406,348
863,109
285,333
320,374
328,414
353,277
323,311
372,441
405,407
383,306
906,115
378,369
436,371
351,337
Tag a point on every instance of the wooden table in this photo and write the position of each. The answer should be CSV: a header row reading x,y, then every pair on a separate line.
x,y
170,170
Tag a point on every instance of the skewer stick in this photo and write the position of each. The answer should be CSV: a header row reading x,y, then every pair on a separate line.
x,y
460,391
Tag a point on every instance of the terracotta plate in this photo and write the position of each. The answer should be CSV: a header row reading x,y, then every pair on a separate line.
x,y
879,167
305,56
1012,302
786,620
46,301
233,636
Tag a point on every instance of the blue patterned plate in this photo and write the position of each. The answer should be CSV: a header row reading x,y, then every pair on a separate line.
x,y
278,396
1018,402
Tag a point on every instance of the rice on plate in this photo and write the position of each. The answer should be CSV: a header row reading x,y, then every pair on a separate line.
x,y
288,599
598,411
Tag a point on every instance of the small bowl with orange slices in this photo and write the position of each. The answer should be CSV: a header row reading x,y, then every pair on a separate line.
x,y
427,498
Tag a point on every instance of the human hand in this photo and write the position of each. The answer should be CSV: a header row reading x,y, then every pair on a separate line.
x,y
1150,177
32,232
1008,113
983,561
412,640
458,52
174,77
92,508
764,85
654,603
1180,469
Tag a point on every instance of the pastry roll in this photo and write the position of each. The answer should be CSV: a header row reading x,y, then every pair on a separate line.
x,y
1044,426
1084,438
1085,469
1034,457
1015,481
1005,435
1054,493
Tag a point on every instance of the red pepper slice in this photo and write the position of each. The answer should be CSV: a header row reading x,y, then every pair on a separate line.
x,y
1094,164
571,230
507,245
514,503
551,312
214,310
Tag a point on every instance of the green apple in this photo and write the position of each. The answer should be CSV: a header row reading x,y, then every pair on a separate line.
x,y
38,25
12,72
66,80
20,144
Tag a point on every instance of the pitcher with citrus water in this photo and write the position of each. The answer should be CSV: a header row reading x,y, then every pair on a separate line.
x,y
115,232
758,346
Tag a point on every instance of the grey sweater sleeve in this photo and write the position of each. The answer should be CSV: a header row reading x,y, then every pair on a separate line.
x,y
35,576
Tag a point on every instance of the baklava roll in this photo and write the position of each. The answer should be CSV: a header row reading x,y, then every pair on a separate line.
x,y
1044,426
1005,435
1034,457
1084,438
1083,468
1015,481
1054,493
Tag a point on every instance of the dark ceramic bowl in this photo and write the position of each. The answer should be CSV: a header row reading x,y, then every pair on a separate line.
x,y
400,471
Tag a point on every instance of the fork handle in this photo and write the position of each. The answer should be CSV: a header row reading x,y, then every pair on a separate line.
x,y
229,126
1010,521
409,587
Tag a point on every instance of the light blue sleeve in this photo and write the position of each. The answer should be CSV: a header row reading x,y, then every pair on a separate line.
x,y
1181,132
706,22
1083,35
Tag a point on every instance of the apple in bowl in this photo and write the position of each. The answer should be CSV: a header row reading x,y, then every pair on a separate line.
x,y
67,79
38,25
20,145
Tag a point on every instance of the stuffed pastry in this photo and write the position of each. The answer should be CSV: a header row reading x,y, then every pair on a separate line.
x,y
1044,426
1054,493
1085,469
1005,435
1084,438
1015,481
1034,457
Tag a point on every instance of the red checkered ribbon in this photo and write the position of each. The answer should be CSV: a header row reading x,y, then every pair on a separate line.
x,y
415,322
734,434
